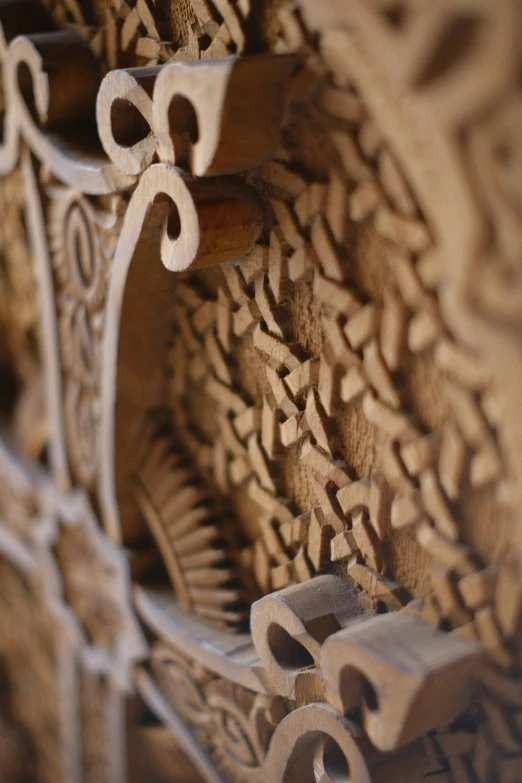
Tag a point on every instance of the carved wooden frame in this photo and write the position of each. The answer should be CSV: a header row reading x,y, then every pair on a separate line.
x,y
320,678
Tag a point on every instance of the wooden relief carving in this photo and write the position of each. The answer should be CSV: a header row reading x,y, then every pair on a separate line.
x,y
260,380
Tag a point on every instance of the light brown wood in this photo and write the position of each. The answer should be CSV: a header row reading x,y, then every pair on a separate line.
x,y
49,63
124,118
399,698
212,127
234,128
199,216
260,379
289,627
297,754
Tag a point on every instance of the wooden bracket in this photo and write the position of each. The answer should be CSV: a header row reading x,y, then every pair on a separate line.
x,y
313,739
63,73
204,116
51,79
289,627
405,676
232,109
316,744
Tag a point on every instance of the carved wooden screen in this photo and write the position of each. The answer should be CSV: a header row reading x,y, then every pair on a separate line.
x,y
260,389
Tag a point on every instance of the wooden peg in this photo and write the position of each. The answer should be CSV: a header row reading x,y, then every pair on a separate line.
x,y
220,117
289,627
51,81
406,677
204,222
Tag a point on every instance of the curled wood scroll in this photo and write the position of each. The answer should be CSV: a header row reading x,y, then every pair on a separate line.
x,y
260,372
171,112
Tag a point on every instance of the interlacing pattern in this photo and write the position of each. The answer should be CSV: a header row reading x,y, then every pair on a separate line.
x,y
357,359
427,471
142,33
331,403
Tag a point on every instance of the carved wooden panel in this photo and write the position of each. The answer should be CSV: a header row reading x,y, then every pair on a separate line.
x,y
260,387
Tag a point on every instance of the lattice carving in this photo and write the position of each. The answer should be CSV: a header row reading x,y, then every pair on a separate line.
x,y
260,364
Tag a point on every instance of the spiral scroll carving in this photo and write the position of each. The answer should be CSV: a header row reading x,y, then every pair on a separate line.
x,y
300,263
81,265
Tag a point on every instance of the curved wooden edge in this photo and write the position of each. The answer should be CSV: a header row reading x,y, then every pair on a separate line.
x,y
124,118
10,143
230,655
57,69
296,621
17,17
311,742
296,753
204,114
219,117
153,697
405,676
237,106
49,328
160,536
216,221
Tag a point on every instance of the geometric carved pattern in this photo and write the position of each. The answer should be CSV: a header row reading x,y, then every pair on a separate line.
x,y
67,587
260,366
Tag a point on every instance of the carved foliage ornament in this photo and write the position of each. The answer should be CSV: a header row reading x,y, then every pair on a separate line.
x,y
296,460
